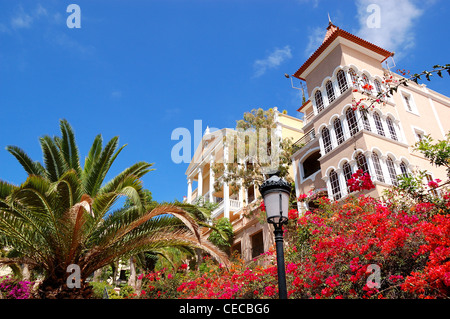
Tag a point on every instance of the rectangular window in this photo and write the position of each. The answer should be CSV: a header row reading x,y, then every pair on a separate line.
x,y
408,102
257,244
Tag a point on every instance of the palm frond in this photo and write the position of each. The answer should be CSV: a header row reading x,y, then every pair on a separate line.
x,y
52,158
101,166
30,166
93,155
69,147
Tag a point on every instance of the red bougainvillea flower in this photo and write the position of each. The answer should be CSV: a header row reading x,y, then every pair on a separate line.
x,y
262,206
293,214
434,184
360,181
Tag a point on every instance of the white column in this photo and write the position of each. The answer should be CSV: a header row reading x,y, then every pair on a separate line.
x,y
384,168
342,182
354,165
398,170
372,123
329,188
385,127
226,190
345,128
200,183
226,200
372,172
211,180
333,137
322,148
189,194
337,91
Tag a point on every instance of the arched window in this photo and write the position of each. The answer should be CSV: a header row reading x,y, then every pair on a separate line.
x,y
391,169
339,131
391,128
335,187
376,164
362,163
354,78
378,123
404,169
365,121
347,169
378,86
326,138
352,122
342,81
429,178
330,91
366,83
319,101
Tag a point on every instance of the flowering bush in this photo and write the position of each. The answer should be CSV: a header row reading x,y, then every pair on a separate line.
x,y
12,288
360,181
330,252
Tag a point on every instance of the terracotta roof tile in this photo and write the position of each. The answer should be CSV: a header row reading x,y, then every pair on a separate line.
x,y
331,35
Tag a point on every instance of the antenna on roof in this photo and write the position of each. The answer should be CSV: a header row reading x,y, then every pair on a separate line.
x,y
389,67
302,88
329,19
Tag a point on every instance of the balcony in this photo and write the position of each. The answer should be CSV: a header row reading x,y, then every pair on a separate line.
x,y
305,140
234,205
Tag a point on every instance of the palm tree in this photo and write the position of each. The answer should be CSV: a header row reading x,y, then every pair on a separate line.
x,y
62,214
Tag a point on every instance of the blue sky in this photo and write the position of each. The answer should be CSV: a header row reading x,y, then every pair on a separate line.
x,y
140,69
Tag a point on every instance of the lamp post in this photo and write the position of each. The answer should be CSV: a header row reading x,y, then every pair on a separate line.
x,y
275,192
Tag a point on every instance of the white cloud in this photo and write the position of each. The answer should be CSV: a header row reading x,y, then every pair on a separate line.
x,y
273,60
315,39
395,31
21,20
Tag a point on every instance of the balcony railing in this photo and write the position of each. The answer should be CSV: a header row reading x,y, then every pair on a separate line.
x,y
234,205
304,140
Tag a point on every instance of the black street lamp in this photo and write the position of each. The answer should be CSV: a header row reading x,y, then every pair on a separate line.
x,y
275,192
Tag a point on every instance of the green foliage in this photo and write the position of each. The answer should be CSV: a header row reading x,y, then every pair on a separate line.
x,y
437,153
62,214
222,235
263,151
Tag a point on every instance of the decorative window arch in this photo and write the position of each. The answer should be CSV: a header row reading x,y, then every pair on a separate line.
x,y
342,81
365,81
347,170
378,123
352,122
361,161
391,169
391,128
404,168
365,121
378,87
377,166
319,101
354,78
326,138
337,124
330,91
335,187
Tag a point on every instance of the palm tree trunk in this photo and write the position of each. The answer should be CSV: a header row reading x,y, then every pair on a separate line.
x,y
132,279
26,275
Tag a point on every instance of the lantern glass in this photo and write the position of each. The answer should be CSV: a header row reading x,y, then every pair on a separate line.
x,y
272,202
